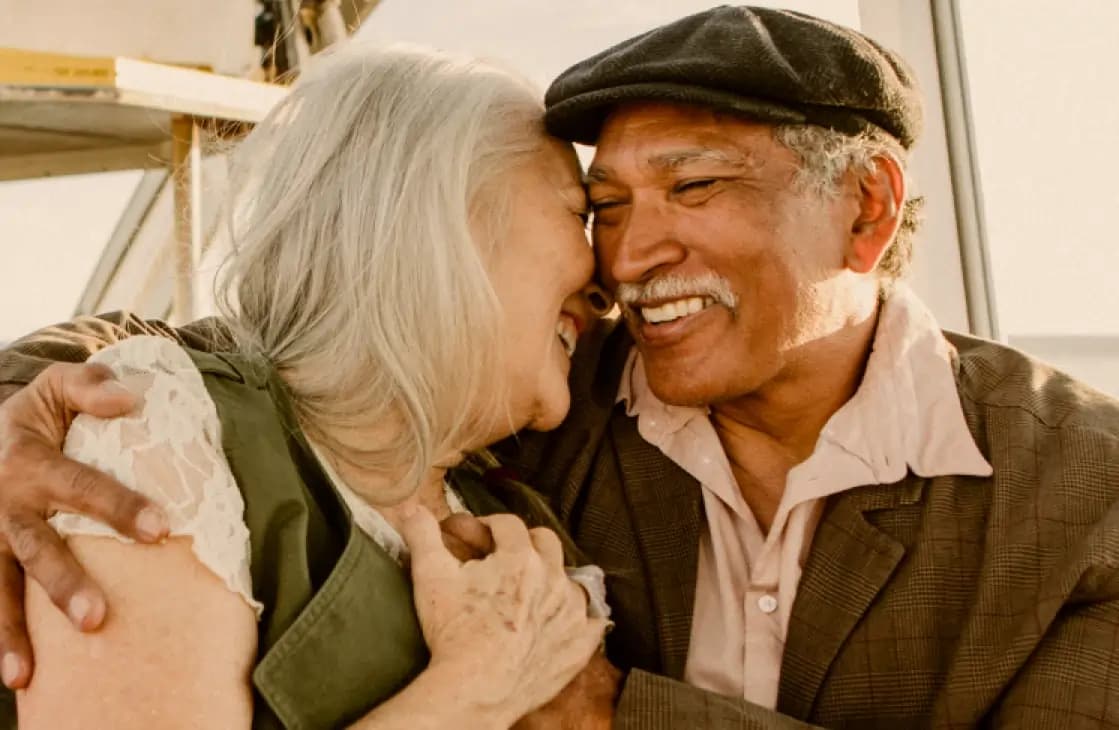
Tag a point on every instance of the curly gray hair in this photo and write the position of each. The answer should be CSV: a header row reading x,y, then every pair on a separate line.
x,y
826,155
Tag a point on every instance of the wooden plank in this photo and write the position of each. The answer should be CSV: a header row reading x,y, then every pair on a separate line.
x,y
101,159
35,68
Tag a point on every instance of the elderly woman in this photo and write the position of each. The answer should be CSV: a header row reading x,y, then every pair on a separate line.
x,y
407,286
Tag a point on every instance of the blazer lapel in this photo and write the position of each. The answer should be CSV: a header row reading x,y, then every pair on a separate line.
x,y
849,563
666,508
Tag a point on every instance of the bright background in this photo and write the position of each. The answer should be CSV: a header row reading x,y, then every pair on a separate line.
x,y
1045,123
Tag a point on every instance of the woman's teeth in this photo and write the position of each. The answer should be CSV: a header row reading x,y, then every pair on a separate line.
x,y
568,335
670,311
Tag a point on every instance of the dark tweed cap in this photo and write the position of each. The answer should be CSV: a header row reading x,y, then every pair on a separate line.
x,y
772,65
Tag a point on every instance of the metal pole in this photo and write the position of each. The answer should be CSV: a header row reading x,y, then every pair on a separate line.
x,y
186,157
967,191
331,24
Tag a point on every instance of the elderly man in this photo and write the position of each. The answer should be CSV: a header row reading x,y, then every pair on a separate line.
x,y
813,506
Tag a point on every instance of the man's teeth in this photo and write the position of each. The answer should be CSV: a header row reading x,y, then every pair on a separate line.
x,y
675,310
568,335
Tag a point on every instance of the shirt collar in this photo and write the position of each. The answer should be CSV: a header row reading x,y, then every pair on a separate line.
x,y
906,413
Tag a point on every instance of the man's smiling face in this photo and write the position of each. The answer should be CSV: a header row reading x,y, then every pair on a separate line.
x,y
724,268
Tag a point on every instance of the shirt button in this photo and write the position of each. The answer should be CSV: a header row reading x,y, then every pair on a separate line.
x,y
767,603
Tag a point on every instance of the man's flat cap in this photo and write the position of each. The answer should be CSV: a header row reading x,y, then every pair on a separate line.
x,y
771,65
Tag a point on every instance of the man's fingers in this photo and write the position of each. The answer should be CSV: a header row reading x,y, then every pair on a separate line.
x,y
47,560
509,532
90,388
15,648
76,487
461,550
470,531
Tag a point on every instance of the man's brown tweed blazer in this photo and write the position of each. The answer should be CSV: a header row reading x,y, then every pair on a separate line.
x,y
951,602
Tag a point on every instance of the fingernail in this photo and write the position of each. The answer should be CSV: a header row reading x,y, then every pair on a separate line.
x,y
115,387
84,612
151,523
11,669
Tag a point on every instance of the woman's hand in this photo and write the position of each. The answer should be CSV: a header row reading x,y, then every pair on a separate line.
x,y
507,632
36,480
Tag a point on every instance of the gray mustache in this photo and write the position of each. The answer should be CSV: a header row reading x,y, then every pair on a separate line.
x,y
678,287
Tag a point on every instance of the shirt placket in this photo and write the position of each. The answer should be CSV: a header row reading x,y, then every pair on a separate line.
x,y
763,643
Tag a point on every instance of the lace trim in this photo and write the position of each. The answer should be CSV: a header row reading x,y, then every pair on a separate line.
x,y
168,449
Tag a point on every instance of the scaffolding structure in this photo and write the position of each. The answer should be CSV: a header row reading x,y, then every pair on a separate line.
x,y
80,113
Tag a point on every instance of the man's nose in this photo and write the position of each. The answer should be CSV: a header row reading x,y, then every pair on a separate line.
x,y
646,244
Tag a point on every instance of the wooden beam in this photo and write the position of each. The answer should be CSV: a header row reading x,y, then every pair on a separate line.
x,y
80,162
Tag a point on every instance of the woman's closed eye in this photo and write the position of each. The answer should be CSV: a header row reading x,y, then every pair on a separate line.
x,y
602,210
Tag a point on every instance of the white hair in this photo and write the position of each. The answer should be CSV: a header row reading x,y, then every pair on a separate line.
x,y
363,211
826,156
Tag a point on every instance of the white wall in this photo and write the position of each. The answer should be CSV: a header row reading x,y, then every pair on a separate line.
x,y
52,236
1092,359
217,34
906,27
543,37
1045,103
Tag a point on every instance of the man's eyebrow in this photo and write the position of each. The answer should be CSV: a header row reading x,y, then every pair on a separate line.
x,y
675,159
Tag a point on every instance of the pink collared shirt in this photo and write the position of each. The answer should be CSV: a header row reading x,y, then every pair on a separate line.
x,y
905,415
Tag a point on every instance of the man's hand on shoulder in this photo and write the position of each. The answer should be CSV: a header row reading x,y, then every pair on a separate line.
x,y
36,480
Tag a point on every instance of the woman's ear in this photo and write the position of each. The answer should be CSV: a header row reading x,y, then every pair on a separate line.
x,y
881,196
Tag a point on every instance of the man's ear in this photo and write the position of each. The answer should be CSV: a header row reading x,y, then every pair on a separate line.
x,y
881,197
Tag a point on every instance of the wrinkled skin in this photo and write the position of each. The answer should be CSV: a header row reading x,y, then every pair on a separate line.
x,y
584,704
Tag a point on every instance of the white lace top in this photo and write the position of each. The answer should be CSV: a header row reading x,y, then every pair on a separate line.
x,y
170,450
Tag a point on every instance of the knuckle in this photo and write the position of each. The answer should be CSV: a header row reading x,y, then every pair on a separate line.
x,y
546,536
577,598
55,371
83,486
27,544
543,533
94,372
126,504
12,625
505,521
19,476
13,447
53,377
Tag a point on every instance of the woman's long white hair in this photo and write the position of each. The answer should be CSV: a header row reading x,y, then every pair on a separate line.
x,y
362,213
